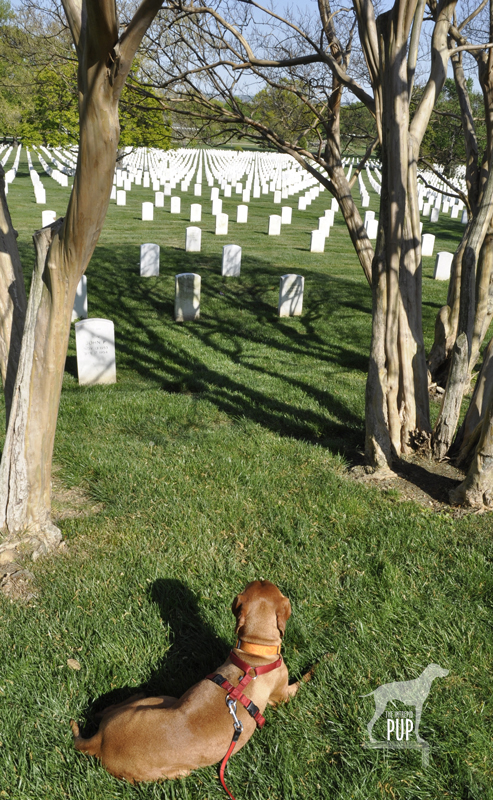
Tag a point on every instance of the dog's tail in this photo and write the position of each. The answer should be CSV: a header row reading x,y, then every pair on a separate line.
x,y
90,746
366,695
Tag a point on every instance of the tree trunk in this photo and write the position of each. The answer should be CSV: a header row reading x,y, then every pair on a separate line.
x,y
396,393
477,489
469,432
448,417
25,470
13,301
352,218
63,251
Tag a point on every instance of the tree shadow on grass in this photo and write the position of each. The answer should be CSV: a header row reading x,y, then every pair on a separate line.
x,y
195,652
239,326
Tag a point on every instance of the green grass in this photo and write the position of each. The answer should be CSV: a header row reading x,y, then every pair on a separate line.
x,y
220,456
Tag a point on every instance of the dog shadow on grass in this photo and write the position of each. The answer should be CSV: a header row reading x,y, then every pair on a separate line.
x,y
196,650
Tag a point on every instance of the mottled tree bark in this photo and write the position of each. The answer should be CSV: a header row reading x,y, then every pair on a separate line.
x,y
62,254
13,301
397,409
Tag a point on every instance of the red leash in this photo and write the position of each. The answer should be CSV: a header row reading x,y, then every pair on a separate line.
x,y
234,694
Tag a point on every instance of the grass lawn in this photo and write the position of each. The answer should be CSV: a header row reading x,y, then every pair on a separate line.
x,y
221,456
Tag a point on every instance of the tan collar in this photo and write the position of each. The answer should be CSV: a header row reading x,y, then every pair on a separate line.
x,y
258,649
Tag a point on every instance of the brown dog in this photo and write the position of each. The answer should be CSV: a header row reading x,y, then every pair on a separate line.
x,y
148,738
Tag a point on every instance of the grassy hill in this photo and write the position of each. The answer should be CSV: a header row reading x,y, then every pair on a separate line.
x,y
221,455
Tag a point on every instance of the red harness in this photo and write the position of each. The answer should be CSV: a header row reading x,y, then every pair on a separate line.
x,y
234,694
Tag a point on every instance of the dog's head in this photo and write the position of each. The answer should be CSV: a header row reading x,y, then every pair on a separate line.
x,y
261,611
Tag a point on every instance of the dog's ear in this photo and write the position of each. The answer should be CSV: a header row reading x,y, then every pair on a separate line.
x,y
283,614
238,610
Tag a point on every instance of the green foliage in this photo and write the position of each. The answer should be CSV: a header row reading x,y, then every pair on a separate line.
x,y
443,141
283,111
358,128
54,119
16,99
142,121
39,95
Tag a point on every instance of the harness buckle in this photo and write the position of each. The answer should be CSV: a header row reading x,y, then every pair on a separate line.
x,y
238,726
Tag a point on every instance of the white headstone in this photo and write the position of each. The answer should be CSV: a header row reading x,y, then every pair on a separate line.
x,y
221,224
231,263
227,190
434,215
277,197
454,214
301,204
286,215
443,265
175,205
242,214
334,205
197,190
187,296
79,310
372,228
40,193
95,345
121,197
464,217
215,193
217,206
324,225
149,260
274,225
147,212
427,244
193,239
159,200
291,295
368,215
47,217
146,180
426,209
195,212
317,242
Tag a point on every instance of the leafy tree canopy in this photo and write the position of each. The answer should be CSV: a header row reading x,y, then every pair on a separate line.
x,y
443,142
39,95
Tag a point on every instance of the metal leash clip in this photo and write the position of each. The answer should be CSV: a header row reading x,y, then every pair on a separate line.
x,y
238,726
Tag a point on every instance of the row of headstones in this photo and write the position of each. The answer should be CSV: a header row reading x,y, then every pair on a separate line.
x,y
443,261
363,194
161,167
150,256
149,268
377,187
223,166
433,211
12,172
187,296
231,267
39,189
95,338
